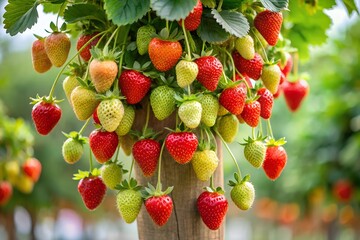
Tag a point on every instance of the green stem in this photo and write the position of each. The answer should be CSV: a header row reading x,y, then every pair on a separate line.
x,y
186,40
231,154
147,118
212,182
121,58
261,128
220,5
253,133
149,17
208,136
84,126
269,128
262,47
244,80
296,64
111,37
232,64
117,153
209,131
158,184
189,90
167,25
131,168
203,47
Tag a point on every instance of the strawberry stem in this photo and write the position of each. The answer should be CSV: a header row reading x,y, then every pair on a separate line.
x,y
244,80
212,182
260,127
231,154
149,17
232,64
117,153
111,37
220,5
262,47
84,126
269,128
131,168
253,133
296,64
188,57
158,184
126,33
147,118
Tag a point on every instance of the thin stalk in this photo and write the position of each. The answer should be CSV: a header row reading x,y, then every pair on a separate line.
x,y
186,40
149,17
232,64
158,184
203,47
84,126
117,153
231,154
111,37
147,118
220,5
261,127
131,168
189,89
244,80
269,128
212,182
262,47
253,133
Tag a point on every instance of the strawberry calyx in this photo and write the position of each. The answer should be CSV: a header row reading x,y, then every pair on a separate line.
x,y
85,174
174,36
148,133
105,54
238,180
186,98
151,191
214,190
76,136
108,95
128,185
271,142
55,29
249,140
45,99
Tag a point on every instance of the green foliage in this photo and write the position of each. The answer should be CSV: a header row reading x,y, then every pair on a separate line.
x,y
234,23
210,31
80,12
172,10
275,5
350,6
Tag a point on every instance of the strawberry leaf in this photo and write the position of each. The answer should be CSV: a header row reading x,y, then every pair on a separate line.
x,y
209,30
80,12
275,5
172,10
20,15
234,23
126,11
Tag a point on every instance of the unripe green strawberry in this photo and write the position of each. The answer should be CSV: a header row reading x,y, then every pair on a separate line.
x,y
190,113
111,174
143,38
126,143
129,204
72,150
69,84
210,108
57,47
162,102
222,111
270,76
186,72
24,184
110,112
245,47
126,122
228,126
84,102
242,193
204,164
254,152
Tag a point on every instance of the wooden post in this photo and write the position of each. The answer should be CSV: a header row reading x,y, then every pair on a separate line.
x,y
185,222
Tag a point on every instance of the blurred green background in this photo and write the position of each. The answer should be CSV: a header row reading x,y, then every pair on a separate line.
x,y
323,147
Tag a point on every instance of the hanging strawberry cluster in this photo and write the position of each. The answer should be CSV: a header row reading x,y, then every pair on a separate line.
x,y
210,82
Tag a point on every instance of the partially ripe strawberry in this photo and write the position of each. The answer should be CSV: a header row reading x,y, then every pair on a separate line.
x,y
134,85
146,153
32,168
110,112
286,67
181,146
252,67
69,84
45,116
212,206
266,101
251,113
84,102
192,21
269,23
24,184
343,190
40,60
275,161
103,144
164,54
294,93
233,99
57,46
5,192
204,163
126,143
103,74
210,71
242,192
95,116
228,126
85,54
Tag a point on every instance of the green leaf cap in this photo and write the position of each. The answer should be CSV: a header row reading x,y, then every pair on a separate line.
x,y
125,185
214,190
151,191
238,180
46,99
105,54
271,142
76,136
85,174
249,140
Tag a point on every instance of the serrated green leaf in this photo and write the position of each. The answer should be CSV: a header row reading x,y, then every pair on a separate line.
x,y
210,31
20,15
80,12
234,23
275,5
232,4
173,10
126,11
350,6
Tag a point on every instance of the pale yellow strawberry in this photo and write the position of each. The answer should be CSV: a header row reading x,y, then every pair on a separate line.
x,y
228,126
245,47
110,113
69,84
127,121
270,76
84,102
186,72
204,164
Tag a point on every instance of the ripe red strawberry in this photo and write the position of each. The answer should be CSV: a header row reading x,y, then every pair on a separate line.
x,y
85,54
286,67
181,146
268,23
252,67
294,93
95,116
233,99
45,116
103,144
40,59
146,153
212,206
57,47
210,71
343,190
5,192
159,208
251,113
134,85
32,168
92,190
192,21
266,101
164,54
275,161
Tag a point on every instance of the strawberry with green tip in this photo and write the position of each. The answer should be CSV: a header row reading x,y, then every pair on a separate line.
x,y
181,146
242,192
186,72
275,158
204,163
129,200
111,174
72,148
294,93
126,121
103,144
233,98
158,204
57,47
251,113
32,168
6,191
254,151
212,206
162,101
40,60
134,85
210,107
268,24
146,153
286,63
110,113
228,126
192,21
266,100
270,77
251,68
143,37
91,188
210,71
190,113
84,102
85,53
245,47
